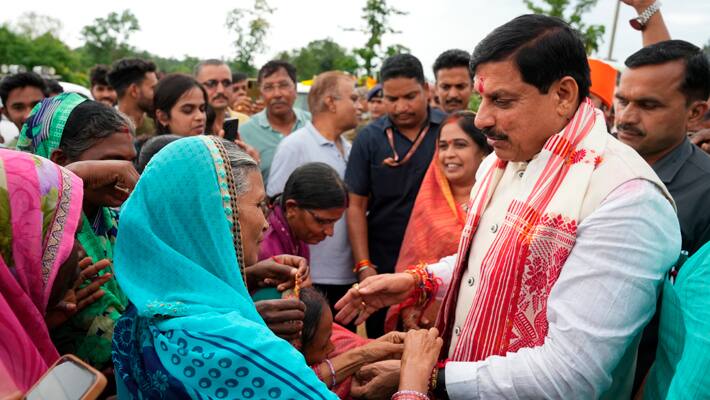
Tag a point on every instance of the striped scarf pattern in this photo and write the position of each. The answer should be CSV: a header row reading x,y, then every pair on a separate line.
x,y
528,252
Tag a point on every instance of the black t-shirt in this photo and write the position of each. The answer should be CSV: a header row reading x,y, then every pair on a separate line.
x,y
391,190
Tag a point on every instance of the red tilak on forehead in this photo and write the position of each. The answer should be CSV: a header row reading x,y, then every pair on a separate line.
x,y
124,129
479,86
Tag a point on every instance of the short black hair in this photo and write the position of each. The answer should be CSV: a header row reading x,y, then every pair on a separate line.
x,y
315,303
99,75
453,58
128,71
465,119
273,67
89,122
151,147
169,90
696,84
544,49
210,61
53,87
315,186
21,80
239,76
402,66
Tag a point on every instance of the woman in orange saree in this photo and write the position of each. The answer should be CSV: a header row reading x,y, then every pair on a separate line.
x,y
439,211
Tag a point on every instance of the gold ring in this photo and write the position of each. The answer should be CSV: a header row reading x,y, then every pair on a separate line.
x,y
356,286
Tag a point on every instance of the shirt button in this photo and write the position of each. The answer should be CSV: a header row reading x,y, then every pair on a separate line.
x,y
494,228
457,331
521,173
470,281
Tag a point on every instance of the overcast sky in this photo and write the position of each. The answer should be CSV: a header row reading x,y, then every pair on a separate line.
x,y
197,27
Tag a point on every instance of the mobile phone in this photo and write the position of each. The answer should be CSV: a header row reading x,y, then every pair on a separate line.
x,y
231,129
253,90
68,379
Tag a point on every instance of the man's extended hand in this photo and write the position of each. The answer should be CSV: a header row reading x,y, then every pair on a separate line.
x,y
371,294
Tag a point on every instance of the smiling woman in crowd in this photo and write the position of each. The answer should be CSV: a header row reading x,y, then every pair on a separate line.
x,y
440,209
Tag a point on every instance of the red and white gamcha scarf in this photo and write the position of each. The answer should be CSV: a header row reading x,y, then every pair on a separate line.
x,y
522,264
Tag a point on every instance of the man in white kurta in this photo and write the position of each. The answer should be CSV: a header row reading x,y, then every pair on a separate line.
x,y
586,280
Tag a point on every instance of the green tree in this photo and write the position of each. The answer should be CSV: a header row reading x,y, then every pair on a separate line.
x,y
23,49
376,14
591,34
106,40
320,56
250,27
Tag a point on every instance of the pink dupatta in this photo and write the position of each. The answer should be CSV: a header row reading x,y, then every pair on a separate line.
x,y
40,205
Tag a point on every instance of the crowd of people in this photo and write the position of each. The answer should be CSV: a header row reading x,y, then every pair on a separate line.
x,y
387,242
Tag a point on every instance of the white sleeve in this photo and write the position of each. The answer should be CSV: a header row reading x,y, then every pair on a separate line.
x,y
443,270
603,298
286,159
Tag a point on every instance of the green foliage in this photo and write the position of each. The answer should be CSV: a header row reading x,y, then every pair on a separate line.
x,y
46,49
376,14
591,34
320,56
106,40
250,28
474,102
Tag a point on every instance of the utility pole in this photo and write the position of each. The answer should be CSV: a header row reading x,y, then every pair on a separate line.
x,y
613,31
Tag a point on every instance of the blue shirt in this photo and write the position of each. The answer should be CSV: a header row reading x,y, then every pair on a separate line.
x,y
259,134
391,190
331,259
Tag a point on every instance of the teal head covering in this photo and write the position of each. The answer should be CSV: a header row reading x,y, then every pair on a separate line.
x,y
42,132
193,331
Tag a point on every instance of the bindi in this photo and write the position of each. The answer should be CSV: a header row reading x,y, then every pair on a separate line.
x,y
479,84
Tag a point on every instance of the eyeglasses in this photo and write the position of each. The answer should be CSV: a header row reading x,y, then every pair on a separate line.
x,y
213,83
319,220
281,86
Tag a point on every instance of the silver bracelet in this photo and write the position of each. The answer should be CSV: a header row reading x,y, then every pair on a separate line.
x,y
332,372
409,394
648,12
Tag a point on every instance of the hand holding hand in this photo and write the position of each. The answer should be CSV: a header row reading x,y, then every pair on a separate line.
x,y
376,381
421,350
373,293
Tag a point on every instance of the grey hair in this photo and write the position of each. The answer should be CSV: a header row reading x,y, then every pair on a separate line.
x,y
242,164
89,122
212,61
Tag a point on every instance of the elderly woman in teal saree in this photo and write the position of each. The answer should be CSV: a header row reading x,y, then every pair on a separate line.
x,y
189,228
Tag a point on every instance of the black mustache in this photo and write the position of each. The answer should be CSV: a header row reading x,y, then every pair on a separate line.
x,y
491,134
630,128
220,96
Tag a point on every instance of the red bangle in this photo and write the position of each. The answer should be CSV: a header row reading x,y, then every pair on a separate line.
x,y
362,264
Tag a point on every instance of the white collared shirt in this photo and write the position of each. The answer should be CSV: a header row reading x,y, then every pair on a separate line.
x,y
597,309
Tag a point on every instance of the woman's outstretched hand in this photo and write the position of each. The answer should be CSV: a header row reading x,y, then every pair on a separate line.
x,y
78,298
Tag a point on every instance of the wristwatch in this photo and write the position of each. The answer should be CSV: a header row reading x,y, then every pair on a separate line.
x,y
639,23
